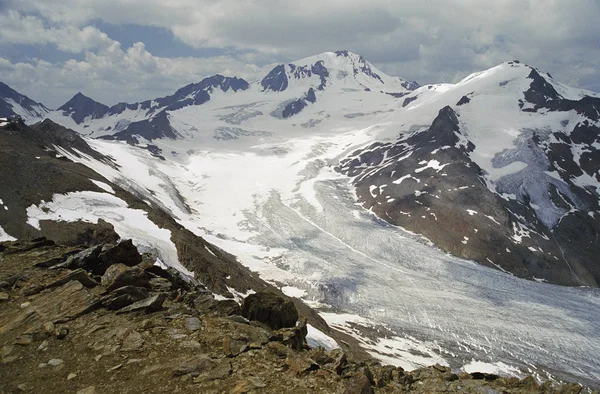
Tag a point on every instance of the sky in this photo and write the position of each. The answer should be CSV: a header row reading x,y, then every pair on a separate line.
x,y
133,50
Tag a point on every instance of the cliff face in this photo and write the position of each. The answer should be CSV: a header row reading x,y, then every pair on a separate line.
x,y
100,317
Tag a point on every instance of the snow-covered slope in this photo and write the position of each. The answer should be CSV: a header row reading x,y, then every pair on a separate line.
x,y
12,103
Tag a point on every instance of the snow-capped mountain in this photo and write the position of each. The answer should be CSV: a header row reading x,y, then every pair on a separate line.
x,y
292,86
341,70
12,103
507,173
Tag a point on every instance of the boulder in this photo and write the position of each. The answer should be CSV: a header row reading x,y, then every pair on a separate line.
x,y
85,259
124,252
124,296
120,275
150,304
270,309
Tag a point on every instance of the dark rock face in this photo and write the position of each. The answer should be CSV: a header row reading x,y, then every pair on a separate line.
x,y
81,107
270,309
428,184
296,106
409,100
8,96
150,129
541,94
276,80
463,100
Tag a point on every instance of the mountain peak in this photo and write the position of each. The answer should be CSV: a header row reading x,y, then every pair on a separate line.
x,y
342,68
80,107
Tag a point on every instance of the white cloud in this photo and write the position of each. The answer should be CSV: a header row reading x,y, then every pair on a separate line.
x,y
113,74
31,30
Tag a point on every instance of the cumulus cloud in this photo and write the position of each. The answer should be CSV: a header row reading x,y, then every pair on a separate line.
x,y
113,74
429,41
16,28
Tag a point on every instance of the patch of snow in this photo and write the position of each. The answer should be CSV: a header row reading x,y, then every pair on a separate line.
x,y
316,338
431,164
471,212
498,368
209,251
103,186
5,237
128,223
292,291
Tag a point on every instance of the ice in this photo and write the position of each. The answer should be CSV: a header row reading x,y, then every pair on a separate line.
x,y
316,338
103,186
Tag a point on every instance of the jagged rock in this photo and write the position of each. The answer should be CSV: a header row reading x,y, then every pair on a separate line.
x,y
79,232
235,346
87,390
359,384
227,308
270,309
300,364
120,275
4,297
150,304
55,362
124,296
85,259
159,284
221,370
78,275
124,253
383,376
294,338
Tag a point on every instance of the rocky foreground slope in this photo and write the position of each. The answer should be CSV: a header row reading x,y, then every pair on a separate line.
x,y
104,319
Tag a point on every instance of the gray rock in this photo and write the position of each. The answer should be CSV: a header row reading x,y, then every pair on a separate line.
x,y
193,324
196,364
124,296
133,341
120,275
87,390
55,362
78,275
150,304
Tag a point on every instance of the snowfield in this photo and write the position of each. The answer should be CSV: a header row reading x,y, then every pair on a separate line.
x,y
270,196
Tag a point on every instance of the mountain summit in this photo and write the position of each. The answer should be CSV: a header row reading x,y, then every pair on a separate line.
x,y
342,69
81,107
